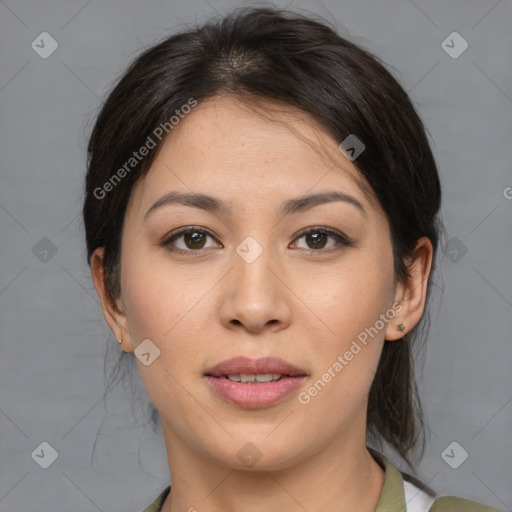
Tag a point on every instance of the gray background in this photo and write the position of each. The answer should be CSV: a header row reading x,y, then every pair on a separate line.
x,y
53,336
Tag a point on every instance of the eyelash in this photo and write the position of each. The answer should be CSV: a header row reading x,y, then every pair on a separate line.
x,y
342,240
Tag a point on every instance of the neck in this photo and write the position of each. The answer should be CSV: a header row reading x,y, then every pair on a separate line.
x,y
345,475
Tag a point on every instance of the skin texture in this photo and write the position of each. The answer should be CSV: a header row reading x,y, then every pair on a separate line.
x,y
206,306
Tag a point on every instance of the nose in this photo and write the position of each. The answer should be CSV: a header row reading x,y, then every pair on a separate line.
x,y
254,295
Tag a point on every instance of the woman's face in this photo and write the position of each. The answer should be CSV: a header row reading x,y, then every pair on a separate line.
x,y
244,281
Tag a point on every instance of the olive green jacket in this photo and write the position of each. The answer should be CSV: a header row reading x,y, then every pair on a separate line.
x,y
392,497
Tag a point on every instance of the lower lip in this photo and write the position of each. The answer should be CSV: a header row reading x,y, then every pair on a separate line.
x,y
257,395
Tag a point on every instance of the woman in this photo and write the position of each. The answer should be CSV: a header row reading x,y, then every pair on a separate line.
x,y
261,218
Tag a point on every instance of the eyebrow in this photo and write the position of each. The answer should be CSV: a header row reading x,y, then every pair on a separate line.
x,y
214,205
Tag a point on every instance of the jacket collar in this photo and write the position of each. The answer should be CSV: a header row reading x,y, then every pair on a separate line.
x,y
392,496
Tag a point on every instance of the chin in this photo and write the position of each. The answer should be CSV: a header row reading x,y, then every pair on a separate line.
x,y
260,454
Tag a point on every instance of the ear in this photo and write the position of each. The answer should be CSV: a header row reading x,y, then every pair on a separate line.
x,y
412,294
112,308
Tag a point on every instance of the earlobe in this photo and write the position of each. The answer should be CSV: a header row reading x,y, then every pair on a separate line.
x,y
412,294
114,316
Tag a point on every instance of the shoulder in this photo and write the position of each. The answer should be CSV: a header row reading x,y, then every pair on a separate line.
x,y
456,504
399,495
156,506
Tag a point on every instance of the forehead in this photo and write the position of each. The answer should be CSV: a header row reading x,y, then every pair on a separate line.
x,y
228,147
259,128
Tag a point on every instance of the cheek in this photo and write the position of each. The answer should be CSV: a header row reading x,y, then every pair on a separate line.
x,y
348,299
155,297
166,306
151,309
156,308
348,305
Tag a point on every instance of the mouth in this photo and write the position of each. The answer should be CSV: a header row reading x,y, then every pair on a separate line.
x,y
259,378
254,383
263,369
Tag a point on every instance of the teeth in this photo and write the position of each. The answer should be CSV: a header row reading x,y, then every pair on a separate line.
x,y
260,377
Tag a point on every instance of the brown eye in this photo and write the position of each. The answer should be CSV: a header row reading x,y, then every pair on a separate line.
x,y
193,240
317,239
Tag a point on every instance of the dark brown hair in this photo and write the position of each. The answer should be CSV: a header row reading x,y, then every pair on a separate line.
x,y
273,54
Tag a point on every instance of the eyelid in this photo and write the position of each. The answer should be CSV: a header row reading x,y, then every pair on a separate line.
x,y
330,231
185,229
339,236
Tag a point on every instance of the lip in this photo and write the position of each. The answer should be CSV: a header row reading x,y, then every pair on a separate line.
x,y
240,364
254,395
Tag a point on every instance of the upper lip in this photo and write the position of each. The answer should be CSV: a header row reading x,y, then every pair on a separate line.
x,y
246,365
